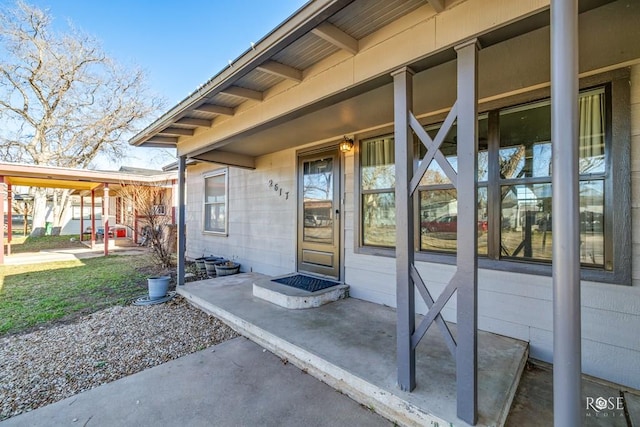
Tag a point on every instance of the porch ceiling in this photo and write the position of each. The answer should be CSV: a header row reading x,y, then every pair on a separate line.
x,y
316,31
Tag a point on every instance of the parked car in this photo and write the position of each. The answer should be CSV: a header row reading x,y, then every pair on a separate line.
x,y
448,224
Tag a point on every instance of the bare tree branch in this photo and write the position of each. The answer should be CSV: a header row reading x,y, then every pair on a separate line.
x,y
63,101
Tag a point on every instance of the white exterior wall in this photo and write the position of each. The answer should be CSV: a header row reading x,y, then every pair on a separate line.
x,y
262,224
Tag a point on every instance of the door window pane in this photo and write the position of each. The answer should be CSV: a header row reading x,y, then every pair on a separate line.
x,y
318,201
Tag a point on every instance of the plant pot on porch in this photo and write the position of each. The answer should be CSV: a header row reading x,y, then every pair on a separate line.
x,y
228,268
158,286
200,264
210,265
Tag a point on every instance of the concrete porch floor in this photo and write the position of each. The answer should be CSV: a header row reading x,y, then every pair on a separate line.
x,y
350,345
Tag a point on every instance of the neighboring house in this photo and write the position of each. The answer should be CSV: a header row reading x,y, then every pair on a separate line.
x,y
269,186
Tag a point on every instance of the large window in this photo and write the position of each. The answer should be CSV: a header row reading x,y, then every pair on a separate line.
x,y
215,202
514,186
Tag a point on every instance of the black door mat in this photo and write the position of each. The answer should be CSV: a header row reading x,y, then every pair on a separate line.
x,y
307,283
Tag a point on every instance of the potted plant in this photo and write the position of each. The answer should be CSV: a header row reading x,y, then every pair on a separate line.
x,y
158,286
227,268
210,265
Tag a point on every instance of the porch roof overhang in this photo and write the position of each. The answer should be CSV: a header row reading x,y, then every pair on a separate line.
x,y
79,180
315,32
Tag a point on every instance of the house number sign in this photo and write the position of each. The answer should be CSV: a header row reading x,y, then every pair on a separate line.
x,y
276,187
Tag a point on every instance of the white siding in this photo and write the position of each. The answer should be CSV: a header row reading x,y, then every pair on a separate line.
x,y
262,224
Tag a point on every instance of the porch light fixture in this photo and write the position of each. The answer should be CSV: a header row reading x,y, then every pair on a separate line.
x,y
346,145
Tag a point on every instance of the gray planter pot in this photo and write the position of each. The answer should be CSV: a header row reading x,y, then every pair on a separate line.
x,y
210,265
226,269
158,286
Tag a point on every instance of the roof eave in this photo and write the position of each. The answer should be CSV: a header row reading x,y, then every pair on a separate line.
x,y
300,22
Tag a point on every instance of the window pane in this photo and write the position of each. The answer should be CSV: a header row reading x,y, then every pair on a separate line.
x,y
378,164
434,173
592,222
215,203
379,219
525,137
318,201
439,220
214,189
526,221
525,141
526,230
592,131
214,217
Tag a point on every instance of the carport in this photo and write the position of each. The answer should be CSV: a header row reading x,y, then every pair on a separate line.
x,y
86,183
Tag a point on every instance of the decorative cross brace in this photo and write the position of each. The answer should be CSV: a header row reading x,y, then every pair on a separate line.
x,y
464,281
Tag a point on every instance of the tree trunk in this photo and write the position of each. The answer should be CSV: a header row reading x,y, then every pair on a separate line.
x,y
61,204
39,212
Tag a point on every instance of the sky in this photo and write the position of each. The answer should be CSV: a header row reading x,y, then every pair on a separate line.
x,y
180,44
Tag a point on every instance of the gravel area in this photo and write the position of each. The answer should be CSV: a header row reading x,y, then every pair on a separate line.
x,y
48,365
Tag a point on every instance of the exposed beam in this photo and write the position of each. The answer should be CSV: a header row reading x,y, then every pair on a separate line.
x,y
177,131
215,109
163,139
281,70
437,5
336,37
243,92
227,158
188,121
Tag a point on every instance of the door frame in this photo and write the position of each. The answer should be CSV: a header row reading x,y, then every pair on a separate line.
x,y
339,183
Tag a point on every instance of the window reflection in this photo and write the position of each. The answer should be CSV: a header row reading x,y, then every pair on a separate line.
x,y
215,209
439,220
526,222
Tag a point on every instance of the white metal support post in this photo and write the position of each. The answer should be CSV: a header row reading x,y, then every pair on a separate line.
x,y
567,365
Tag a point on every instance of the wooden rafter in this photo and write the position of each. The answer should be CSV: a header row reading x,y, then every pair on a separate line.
x,y
336,37
188,121
281,70
176,131
215,109
243,92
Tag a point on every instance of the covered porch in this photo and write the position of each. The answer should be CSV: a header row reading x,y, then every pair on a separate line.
x,y
350,345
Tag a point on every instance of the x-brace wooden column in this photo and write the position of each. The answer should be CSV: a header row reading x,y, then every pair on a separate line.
x,y
464,281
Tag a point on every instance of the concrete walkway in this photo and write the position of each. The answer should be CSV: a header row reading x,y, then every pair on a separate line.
x,y
235,383
56,255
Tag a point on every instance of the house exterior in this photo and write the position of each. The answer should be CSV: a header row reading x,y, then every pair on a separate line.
x,y
268,184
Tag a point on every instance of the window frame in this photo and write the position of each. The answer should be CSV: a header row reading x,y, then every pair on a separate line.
x,y
213,174
617,203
